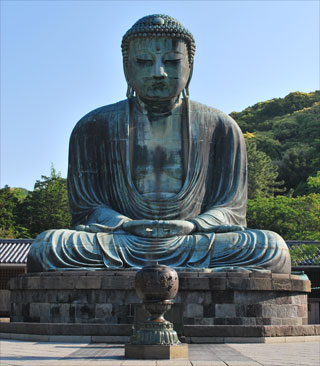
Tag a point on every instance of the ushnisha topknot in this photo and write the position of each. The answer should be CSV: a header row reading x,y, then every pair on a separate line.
x,y
158,25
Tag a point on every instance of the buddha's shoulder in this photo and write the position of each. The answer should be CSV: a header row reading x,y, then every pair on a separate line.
x,y
103,114
211,114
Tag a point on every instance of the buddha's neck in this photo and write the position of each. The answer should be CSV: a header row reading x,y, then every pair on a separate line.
x,y
163,107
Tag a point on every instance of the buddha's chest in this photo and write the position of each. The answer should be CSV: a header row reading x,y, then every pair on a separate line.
x,y
157,156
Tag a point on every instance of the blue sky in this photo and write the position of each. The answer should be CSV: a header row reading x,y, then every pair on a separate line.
x,y
61,59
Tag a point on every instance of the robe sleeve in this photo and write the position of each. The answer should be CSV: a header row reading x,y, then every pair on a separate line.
x,y
226,195
88,178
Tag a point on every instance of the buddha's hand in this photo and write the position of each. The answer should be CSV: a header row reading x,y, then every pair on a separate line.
x,y
94,228
159,228
226,228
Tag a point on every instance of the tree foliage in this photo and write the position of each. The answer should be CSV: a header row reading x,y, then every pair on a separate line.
x,y
293,218
287,130
46,207
262,174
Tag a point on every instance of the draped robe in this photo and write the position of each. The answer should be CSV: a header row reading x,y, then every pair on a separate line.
x,y
214,192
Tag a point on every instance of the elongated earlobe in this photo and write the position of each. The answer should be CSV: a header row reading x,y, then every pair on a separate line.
x,y
185,93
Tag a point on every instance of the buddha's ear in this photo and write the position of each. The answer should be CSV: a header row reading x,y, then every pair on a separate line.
x,y
186,89
130,91
125,68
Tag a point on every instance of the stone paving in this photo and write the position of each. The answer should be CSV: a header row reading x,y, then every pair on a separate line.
x,y
21,353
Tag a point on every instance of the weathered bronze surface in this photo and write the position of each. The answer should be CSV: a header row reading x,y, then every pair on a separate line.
x,y
158,176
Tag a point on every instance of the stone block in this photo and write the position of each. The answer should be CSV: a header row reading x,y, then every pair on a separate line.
x,y
280,276
294,277
282,299
236,283
223,331
302,311
220,321
44,309
244,340
116,283
85,311
209,310
193,310
103,310
217,283
260,275
31,282
194,284
239,274
88,283
194,297
204,321
291,321
96,297
13,283
213,274
260,284
298,299
254,310
191,274
35,311
281,284
189,321
57,282
301,285
241,310
225,310
223,297
110,339
207,340
63,297
156,351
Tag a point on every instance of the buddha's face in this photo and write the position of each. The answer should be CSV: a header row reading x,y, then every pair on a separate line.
x,y
158,68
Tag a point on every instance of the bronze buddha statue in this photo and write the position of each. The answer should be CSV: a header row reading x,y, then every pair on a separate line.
x,y
158,176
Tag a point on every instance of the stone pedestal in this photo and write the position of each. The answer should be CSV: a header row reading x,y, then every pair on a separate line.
x,y
109,297
157,352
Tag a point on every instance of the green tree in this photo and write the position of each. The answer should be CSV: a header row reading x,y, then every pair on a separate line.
x,y
10,199
314,183
262,174
47,206
293,218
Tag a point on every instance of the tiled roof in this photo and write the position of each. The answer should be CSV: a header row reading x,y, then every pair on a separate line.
x,y
14,251
304,253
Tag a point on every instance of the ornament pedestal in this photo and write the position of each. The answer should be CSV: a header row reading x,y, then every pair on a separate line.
x,y
164,352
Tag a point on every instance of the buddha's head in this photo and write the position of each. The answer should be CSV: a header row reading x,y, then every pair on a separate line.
x,y
158,54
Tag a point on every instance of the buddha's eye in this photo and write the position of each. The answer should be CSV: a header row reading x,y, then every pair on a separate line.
x,y
173,62
144,62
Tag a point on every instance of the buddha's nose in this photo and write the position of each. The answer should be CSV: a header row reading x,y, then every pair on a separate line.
x,y
159,71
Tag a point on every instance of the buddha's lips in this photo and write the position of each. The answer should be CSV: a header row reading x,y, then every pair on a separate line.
x,y
159,85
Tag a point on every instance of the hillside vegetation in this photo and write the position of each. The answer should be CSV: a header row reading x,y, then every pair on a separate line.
x,y
288,131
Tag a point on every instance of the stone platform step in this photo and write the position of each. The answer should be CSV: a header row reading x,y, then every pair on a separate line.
x,y
120,333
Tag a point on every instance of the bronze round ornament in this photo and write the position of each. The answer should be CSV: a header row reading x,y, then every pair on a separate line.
x,y
156,282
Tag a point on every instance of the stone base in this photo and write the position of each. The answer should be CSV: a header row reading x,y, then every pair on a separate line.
x,y
121,333
204,298
158,352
